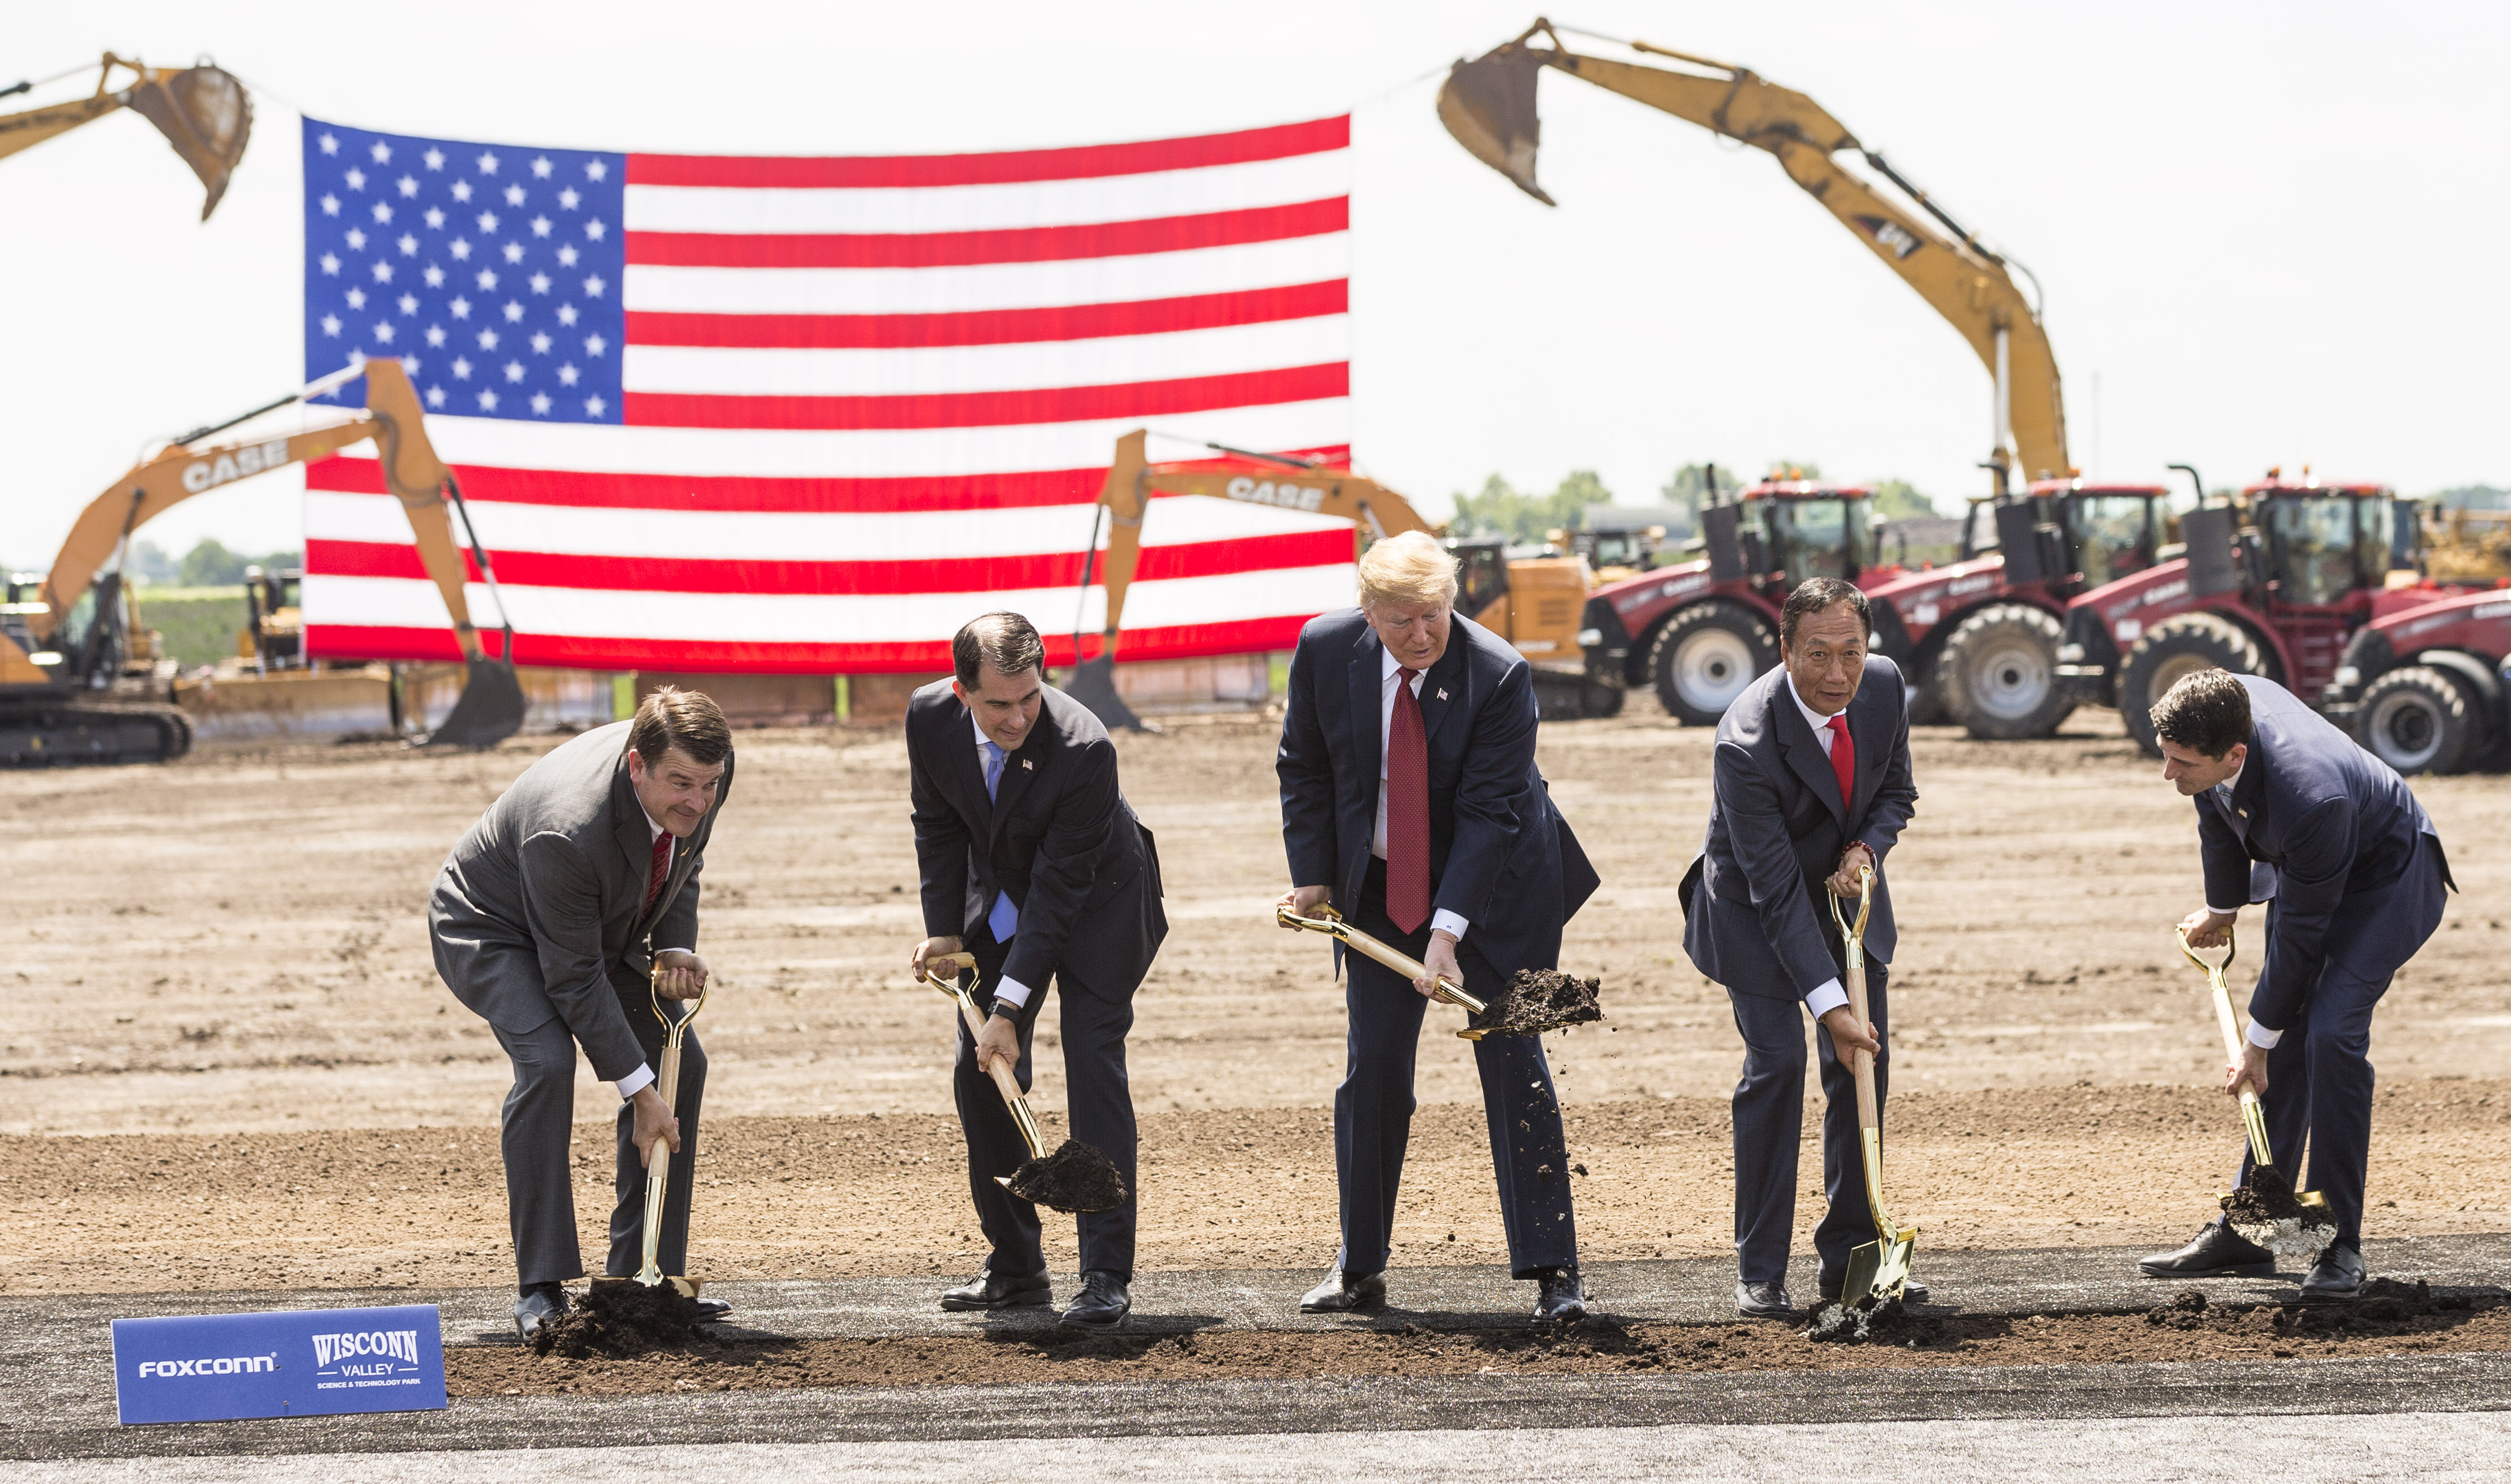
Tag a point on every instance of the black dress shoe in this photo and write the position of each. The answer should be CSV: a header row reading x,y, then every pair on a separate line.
x,y
989,1289
712,1310
1560,1296
2337,1275
541,1304
1343,1292
1763,1301
2218,1251
1912,1292
1103,1305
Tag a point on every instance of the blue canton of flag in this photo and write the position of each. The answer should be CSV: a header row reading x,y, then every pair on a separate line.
x,y
492,273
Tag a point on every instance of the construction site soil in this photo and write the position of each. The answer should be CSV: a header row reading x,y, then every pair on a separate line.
x,y
230,1065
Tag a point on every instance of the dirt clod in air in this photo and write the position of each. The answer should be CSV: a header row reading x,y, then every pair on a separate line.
x,y
622,1319
1540,1000
2265,1210
1074,1178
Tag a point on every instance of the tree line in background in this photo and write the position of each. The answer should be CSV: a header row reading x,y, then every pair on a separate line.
x,y
208,564
1502,510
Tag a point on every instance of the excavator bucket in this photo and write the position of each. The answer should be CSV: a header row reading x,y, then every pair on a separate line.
x,y
1489,104
207,115
490,710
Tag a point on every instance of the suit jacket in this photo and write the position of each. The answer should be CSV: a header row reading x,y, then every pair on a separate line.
x,y
1057,835
1758,915
1501,855
540,911
2315,821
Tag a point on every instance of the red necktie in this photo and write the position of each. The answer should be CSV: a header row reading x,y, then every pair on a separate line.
x,y
1408,809
1843,761
660,871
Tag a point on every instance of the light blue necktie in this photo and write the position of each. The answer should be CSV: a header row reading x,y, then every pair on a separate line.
x,y
1004,920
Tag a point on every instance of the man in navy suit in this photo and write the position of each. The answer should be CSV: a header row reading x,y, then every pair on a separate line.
x,y
2291,812
1411,799
1810,783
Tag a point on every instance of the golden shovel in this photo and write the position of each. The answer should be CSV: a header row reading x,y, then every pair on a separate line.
x,y
658,1166
1329,922
2254,1118
1006,1082
1879,1270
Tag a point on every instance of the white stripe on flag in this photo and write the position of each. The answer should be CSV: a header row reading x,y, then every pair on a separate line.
x,y
987,285
1013,368
1025,203
886,619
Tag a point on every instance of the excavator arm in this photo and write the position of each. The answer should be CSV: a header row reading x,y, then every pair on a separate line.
x,y
202,111
1488,103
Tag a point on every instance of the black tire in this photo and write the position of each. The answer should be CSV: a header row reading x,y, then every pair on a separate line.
x,y
1705,656
2172,649
2419,719
1999,673
1571,697
1926,703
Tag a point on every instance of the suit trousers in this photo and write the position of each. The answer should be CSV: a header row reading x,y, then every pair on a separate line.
x,y
1373,1111
2319,1075
1098,1097
628,1218
1769,1123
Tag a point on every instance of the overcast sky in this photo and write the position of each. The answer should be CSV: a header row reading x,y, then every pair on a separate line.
x,y
2271,233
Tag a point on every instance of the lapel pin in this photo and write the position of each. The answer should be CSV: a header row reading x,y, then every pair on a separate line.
x,y
1442,694
1027,765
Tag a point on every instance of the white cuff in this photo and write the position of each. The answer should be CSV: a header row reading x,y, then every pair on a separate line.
x,y
1011,992
635,1082
2262,1037
1826,998
2222,911
1445,920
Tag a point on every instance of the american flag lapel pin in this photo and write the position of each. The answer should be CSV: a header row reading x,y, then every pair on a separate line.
x,y
1027,765
1442,694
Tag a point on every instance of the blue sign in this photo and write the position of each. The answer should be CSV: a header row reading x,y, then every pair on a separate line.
x,y
307,1362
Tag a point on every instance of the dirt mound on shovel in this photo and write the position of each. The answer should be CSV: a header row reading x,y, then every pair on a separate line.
x,y
1540,1000
620,1319
2265,1210
1074,1178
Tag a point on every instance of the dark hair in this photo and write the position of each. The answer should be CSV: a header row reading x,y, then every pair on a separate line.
x,y
1004,640
672,717
2207,712
1814,596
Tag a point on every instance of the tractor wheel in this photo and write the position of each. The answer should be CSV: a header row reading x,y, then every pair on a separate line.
x,y
1926,701
1703,658
2172,649
2419,720
1999,673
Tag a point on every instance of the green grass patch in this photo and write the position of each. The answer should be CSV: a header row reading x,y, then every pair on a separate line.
x,y
200,624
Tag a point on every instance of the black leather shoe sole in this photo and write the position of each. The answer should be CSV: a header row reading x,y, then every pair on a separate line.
x,y
1027,1298
2230,1269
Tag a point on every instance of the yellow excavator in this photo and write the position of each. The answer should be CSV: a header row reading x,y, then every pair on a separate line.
x,y
65,694
202,110
1488,103
1532,602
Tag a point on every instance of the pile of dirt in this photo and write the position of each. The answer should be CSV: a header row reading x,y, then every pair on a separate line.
x,y
1866,1322
2386,1307
1074,1178
1540,1000
2266,1211
622,1319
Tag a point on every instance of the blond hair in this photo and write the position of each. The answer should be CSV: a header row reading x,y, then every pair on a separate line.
x,y
1410,570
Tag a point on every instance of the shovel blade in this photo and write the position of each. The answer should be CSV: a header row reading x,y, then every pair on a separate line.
x,y
1879,1270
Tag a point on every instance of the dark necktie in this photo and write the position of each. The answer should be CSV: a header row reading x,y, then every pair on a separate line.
x,y
1408,809
1843,761
659,873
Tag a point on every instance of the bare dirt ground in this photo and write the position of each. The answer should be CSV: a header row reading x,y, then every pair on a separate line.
x,y
230,1063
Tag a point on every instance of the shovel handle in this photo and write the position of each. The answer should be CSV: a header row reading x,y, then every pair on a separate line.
x,y
1006,1081
1329,922
2253,1117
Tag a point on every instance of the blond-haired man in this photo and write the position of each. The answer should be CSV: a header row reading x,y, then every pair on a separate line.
x,y
1411,800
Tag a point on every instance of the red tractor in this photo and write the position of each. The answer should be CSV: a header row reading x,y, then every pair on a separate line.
x,y
2274,585
1979,639
2428,688
1701,631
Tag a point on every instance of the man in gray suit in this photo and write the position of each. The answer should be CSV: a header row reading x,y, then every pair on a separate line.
x,y
546,919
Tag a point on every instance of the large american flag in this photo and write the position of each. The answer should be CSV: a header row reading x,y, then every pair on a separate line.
x,y
724,413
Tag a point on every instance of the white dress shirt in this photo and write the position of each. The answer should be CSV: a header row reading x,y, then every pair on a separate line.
x,y
638,1081
1829,996
2259,1035
1442,920
1007,990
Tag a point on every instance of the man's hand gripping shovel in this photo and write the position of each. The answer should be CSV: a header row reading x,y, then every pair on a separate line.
x,y
658,1158
1881,1270
1075,1176
2262,1219
1327,921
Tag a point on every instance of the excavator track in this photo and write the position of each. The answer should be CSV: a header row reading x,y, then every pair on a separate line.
x,y
61,735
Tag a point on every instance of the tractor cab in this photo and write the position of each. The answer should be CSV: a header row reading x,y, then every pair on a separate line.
x,y
273,633
1805,530
2079,535
2316,546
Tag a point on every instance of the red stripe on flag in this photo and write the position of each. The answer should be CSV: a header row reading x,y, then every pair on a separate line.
x,y
990,409
1007,244
990,326
353,641
880,171
839,579
746,493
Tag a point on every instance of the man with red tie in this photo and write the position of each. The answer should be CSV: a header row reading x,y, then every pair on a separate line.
x,y
1810,783
1411,800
